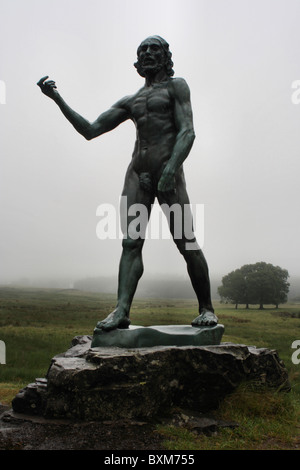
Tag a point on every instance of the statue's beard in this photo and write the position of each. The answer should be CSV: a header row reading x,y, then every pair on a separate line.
x,y
149,69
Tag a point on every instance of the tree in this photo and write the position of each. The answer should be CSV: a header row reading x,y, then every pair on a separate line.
x,y
233,288
260,283
267,284
281,285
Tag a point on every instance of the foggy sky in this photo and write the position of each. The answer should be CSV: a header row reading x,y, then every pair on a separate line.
x,y
239,59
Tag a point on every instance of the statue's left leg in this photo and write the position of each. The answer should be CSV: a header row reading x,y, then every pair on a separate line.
x,y
181,227
199,275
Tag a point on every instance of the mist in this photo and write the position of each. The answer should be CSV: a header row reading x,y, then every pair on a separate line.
x,y
240,60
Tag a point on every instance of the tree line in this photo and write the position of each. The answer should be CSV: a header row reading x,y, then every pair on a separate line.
x,y
256,284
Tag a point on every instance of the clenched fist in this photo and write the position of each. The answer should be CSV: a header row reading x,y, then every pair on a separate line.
x,y
48,87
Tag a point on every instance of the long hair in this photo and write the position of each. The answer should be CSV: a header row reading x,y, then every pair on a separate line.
x,y
168,53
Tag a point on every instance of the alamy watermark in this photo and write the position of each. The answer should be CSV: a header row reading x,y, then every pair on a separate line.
x,y
2,92
2,352
135,222
296,354
296,94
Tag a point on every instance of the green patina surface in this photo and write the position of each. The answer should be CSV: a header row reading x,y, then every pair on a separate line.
x,y
162,335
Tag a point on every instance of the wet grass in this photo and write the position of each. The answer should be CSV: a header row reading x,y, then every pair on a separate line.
x,y
37,324
266,419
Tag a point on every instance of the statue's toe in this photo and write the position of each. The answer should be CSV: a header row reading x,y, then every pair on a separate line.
x,y
206,318
113,322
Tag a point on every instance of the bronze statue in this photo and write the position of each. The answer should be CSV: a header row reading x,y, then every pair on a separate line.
x,y
161,111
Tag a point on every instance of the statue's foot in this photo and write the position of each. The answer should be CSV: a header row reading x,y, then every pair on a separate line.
x,y
116,319
206,318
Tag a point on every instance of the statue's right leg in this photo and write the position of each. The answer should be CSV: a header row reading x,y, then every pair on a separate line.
x,y
135,211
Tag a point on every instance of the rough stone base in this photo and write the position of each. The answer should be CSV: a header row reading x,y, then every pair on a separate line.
x,y
111,383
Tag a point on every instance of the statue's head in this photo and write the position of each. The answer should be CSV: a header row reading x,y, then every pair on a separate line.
x,y
153,54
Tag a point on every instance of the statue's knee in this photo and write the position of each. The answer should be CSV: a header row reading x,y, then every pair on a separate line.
x,y
130,244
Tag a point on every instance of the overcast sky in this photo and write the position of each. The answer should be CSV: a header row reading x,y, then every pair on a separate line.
x,y
239,59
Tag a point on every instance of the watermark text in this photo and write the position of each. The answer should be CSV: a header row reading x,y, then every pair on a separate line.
x,y
296,94
2,92
2,352
296,354
134,222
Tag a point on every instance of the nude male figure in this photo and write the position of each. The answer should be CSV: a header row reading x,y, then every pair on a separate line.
x,y
161,111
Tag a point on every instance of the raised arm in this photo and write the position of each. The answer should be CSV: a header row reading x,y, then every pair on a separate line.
x,y
183,117
107,121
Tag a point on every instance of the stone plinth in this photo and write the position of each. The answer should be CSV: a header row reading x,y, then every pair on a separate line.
x,y
106,383
162,335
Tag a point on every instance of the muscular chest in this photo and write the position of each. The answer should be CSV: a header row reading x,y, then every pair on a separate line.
x,y
154,101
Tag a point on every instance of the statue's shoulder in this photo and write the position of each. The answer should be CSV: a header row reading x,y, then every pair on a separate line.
x,y
124,102
178,87
129,100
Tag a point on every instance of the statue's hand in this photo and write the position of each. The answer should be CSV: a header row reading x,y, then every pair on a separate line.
x,y
167,180
48,87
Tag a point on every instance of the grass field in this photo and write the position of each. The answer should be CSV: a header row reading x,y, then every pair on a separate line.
x,y
37,324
